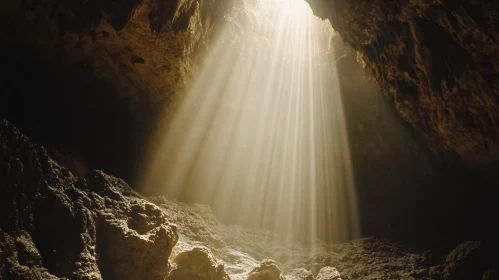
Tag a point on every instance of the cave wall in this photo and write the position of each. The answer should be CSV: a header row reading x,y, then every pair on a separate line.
x,y
409,190
91,78
438,62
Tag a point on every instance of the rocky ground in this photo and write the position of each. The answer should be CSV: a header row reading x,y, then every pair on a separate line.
x,y
58,226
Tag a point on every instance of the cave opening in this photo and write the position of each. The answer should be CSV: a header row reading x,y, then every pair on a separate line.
x,y
260,135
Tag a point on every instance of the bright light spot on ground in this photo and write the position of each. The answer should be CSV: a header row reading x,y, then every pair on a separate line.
x,y
261,135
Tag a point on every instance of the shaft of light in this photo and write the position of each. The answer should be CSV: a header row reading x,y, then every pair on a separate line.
x,y
260,136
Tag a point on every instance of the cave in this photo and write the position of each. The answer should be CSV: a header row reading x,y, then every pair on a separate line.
x,y
249,139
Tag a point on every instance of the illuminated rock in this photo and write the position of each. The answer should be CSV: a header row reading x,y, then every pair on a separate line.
x,y
328,273
132,247
266,270
90,56
56,225
197,263
438,62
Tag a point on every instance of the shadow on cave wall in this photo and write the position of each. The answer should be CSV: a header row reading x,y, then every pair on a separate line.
x,y
408,191
68,108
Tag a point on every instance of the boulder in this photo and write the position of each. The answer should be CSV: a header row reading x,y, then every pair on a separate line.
x,y
467,261
197,263
266,270
55,225
328,273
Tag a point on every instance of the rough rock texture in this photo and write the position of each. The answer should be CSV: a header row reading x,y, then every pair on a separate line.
x,y
243,250
328,273
54,225
57,226
434,175
95,74
145,47
437,60
266,270
105,68
92,77
197,263
468,261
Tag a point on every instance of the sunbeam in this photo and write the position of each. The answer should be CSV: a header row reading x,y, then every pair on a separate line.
x,y
260,135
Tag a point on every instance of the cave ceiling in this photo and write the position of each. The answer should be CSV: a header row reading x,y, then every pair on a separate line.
x,y
437,61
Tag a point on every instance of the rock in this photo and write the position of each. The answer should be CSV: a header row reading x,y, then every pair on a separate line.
x,y
437,61
134,56
54,225
463,251
19,258
328,273
27,253
467,261
131,252
197,263
266,270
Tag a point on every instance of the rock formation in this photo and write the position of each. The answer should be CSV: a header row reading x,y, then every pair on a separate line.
x,y
58,226
328,273
117,64
437,60
266,270
95,75
197,263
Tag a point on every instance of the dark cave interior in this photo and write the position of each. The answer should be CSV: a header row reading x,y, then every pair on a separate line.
x,y
79,114
90,127
412,189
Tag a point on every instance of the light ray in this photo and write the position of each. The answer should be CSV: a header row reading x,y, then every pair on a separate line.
x,y
260,135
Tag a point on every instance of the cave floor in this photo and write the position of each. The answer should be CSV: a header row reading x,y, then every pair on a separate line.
x,y
55,225
241,249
